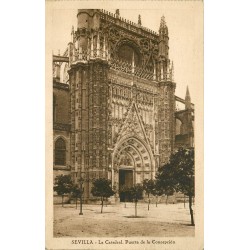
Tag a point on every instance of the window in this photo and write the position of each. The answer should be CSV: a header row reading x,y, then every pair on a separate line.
x,y
127,53
60,152
178,127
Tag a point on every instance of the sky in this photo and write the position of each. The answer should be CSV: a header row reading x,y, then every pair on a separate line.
x,y
185,26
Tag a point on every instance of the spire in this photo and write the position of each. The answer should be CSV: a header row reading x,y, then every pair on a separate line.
x,y
163,39
163,26
187,99
72,34
163,22
187,93
139,19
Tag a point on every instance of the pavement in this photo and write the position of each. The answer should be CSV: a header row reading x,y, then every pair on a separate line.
x,y
165,220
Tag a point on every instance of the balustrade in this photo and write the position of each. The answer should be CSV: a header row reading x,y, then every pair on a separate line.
x,y
112,18
126,67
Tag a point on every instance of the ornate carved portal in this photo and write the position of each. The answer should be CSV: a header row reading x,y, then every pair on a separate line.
x,y
132,154
133,158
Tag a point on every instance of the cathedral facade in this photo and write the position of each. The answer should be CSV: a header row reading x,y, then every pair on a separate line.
x,y
114,104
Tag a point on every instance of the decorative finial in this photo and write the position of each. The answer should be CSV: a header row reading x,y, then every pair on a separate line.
x,y
187,99
139,19
117,13
72,34
163,25
163,22
187,93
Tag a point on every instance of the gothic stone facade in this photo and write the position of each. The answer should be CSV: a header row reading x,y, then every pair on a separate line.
x,y
122,103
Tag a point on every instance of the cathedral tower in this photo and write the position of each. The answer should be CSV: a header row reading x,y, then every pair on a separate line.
x,y
189,119
89,99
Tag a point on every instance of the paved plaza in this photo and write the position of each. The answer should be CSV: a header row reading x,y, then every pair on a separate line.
x,y
166,220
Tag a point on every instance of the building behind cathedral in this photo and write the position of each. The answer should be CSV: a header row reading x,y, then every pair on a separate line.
x,y
115,112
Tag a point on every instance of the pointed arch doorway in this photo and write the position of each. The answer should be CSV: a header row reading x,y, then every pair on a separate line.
x,y
132,161
125,172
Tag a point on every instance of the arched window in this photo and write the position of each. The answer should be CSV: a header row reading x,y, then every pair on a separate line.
x,y
178,127
60,152
127,53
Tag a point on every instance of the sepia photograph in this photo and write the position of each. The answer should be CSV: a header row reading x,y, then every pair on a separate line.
x,y
124,125
128,116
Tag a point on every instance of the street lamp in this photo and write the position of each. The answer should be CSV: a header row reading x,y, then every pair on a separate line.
x,y
81,182
81,188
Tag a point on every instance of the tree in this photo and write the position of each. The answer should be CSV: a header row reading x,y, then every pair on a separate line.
x,y
76,192
102,188
135,193
178,174
148,186
165,183
157,191
183,161
63,185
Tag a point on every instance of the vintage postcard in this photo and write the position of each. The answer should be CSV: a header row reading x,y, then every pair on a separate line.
x,y
124,125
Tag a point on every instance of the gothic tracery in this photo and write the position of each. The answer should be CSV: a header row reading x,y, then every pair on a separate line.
x,y
122,97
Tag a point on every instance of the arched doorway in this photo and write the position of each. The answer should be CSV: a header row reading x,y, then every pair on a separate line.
x,y
132,163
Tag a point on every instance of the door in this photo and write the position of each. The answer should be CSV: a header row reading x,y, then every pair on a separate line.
x,y
125,180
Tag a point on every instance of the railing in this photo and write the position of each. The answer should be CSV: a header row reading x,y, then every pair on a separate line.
x,y
143,73
127,67
121,65
89,54
111,17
